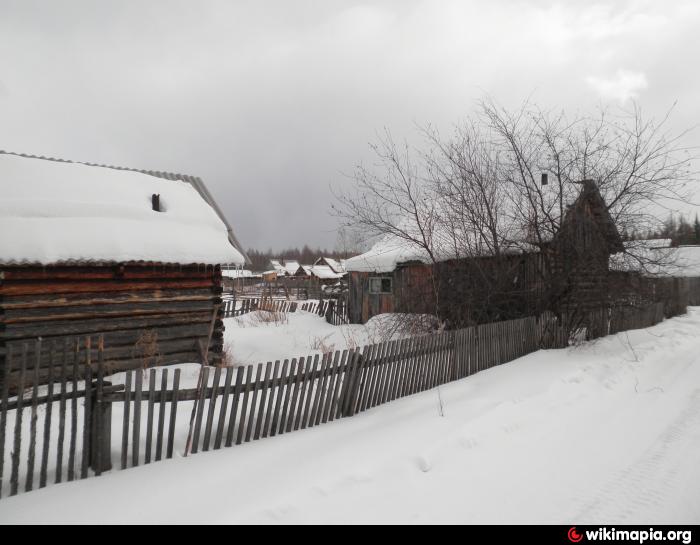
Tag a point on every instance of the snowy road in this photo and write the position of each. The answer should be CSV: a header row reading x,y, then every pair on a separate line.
x,y
604,433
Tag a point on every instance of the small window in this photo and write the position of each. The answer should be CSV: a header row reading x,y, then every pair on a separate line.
x,y
380,285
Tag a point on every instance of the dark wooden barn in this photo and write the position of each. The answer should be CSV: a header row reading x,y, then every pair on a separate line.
x,y
571,268
132,256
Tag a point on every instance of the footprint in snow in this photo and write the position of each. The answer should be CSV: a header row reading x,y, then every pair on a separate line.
x,y
424,464
511,428
468,443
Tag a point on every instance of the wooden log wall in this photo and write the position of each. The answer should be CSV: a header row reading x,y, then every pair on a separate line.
x,y
147,314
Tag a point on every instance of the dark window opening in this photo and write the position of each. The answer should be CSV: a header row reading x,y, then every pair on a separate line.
x,y
380,285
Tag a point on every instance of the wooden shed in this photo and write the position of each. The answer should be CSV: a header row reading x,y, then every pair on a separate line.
x,y
132,256
522,280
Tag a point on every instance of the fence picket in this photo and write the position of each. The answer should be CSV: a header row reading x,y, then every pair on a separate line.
x,y
29,481
287,418
149,418
161,414
244,406
14,477
223,410
238,388
368,371
320,385
125,420
282,392
173,415
199,412
212,409
295,410
333,377
138,388
62,412
253,404
263,401
310,381
340,377
274,392
4,397
74,410
46,444
380,374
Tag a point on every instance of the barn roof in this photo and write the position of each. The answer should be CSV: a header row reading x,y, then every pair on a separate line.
x,y
55,211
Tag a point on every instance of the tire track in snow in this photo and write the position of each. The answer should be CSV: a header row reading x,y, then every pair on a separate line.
x,y
640,491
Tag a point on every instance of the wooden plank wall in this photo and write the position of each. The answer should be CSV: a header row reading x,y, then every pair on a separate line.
x,y
147,314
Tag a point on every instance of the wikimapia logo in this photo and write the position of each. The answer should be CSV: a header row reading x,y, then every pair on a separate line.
x,y
632,536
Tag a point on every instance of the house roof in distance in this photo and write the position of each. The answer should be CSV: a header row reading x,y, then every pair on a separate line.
x,y
63,212
336,265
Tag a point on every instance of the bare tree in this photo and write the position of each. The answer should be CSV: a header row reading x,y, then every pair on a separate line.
x,y
478,192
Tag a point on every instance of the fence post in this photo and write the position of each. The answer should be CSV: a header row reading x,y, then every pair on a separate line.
x,y
100,431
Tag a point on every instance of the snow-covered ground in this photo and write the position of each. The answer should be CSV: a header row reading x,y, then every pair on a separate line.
x,y
258,337
607,432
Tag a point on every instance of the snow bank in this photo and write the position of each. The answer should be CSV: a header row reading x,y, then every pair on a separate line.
x,y
604,433
60,212
262,336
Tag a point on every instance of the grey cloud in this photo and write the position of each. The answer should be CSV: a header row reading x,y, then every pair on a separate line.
x,y
271,101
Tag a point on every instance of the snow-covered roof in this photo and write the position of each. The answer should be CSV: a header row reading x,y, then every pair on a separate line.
x,y
390,251
656,258
324,272
61,212
237,273
337,265
291,266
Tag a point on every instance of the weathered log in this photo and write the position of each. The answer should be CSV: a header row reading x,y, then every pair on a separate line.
x,y
82,328
152,308
108,298
36,287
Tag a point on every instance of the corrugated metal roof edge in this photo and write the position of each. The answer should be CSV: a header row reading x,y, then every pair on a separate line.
x,y
194,181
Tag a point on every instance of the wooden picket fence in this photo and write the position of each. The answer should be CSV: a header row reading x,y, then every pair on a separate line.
x,y
87,420
334,310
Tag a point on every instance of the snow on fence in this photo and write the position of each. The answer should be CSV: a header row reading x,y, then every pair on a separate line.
x,y
334,310
88,422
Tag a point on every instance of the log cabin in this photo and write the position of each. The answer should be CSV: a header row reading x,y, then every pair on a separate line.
x,y
132,256
569,268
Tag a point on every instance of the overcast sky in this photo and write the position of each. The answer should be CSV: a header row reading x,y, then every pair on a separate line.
x,y
272,101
